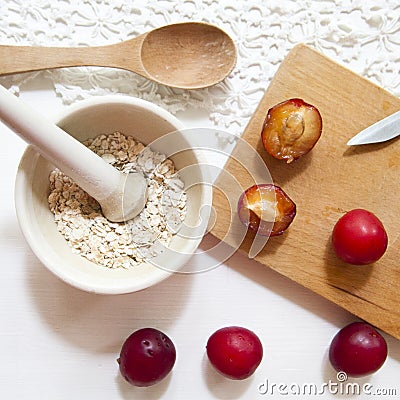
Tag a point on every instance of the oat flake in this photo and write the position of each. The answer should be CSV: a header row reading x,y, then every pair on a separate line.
x,y
117,244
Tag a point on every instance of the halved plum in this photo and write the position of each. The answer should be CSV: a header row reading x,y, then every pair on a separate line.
x,y
291,129
266,209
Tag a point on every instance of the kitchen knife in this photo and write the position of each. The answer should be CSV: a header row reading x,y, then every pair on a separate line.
x,y
383,130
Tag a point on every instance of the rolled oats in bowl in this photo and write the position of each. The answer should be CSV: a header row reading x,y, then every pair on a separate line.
x,y
120,244
64,226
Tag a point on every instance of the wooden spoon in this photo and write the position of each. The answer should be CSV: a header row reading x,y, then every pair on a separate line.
x,y
121,196
189,55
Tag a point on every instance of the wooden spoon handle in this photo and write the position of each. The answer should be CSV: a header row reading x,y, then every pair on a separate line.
x,y
16,59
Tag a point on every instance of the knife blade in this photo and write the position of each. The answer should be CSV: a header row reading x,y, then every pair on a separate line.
x,y
383,130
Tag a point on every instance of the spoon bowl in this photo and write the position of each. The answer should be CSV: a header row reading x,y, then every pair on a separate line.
x,y
189,55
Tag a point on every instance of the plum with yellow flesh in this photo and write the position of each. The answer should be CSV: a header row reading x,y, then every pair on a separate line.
x,y
266,209
291,129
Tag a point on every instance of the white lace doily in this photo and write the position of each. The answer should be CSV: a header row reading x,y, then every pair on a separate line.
x,y
364,35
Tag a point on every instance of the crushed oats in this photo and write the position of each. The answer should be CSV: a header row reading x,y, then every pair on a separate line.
x,y
117,244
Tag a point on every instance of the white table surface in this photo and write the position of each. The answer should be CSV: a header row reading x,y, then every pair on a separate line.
x,y
57,342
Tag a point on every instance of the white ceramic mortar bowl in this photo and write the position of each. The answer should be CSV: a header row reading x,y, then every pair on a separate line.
x,y
147,123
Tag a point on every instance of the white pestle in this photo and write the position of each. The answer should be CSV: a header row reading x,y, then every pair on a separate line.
x,y
121,196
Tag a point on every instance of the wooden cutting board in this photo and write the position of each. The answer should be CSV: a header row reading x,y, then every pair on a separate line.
x,y
330,180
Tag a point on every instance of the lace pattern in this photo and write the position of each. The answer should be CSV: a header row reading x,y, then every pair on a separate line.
x,y
364,35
